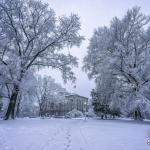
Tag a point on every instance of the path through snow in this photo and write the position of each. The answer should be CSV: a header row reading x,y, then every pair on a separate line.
x,y
72,134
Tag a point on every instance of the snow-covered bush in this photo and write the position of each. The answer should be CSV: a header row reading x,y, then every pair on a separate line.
x,y
74,114
90,113
136,114
139,110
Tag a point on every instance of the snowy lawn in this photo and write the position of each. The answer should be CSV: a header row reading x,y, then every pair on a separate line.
x,y
73,134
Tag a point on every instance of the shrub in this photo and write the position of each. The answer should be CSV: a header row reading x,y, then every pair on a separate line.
x,y
90,113
74,114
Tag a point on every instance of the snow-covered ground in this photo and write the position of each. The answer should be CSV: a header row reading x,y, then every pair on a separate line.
x,y
73,134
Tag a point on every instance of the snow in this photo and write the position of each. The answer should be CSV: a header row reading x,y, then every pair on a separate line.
x,y
73,134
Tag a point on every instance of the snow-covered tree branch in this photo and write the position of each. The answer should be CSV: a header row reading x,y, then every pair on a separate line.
x,y
123,51
32,36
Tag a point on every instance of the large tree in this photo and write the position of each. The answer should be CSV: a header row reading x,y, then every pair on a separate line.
x,y
31,36
48,91
123,49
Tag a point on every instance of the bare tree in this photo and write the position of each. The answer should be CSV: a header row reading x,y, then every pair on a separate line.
x,y
48,92
32,37
124,50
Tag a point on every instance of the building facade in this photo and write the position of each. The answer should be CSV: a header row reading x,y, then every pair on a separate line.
x,y
72,101
77,102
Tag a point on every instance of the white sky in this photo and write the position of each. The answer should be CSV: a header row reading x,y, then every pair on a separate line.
x,y
93,13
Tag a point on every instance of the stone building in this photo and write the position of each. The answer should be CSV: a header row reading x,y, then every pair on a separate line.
x,y
72,101
78,102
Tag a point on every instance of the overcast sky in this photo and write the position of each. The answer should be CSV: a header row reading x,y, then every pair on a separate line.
x,y
93,13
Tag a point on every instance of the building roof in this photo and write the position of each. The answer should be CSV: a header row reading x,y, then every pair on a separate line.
x,y
71,95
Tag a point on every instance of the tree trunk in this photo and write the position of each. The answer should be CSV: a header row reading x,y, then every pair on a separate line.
x,y
11,107
40,111
18,106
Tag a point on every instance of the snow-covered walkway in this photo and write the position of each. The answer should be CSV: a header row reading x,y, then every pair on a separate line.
x,y
72,134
